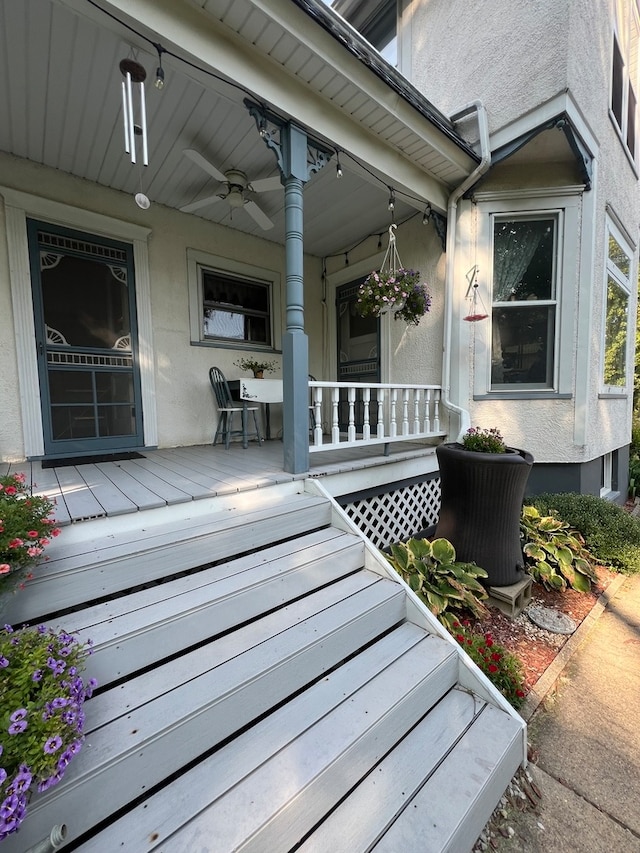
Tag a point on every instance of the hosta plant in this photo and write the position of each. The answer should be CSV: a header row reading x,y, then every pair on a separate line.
x,y
41,714
555,553
501,667
446,586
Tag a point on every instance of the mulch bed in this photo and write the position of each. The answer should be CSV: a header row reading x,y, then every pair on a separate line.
x,y
536,647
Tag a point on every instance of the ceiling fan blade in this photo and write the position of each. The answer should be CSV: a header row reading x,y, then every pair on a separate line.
x,y
204,164
265,185
200,203
258,215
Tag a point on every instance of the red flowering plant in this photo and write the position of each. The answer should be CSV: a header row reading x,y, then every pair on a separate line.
x,y
501,667
41,714
26,529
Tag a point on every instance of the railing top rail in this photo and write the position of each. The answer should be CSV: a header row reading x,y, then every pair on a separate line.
x,y
384,385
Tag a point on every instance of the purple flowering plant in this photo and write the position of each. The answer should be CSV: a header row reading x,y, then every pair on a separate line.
x,y
41,714
26,528
482,440
400,291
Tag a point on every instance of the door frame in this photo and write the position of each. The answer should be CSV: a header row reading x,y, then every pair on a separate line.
x,y
97,444
18,207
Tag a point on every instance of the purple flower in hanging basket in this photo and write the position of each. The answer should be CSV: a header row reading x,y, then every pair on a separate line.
x,y
399,290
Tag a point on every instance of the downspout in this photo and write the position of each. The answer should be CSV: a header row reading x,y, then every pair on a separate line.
x,y
452,212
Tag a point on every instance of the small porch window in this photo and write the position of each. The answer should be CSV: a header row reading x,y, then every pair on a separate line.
x,y
235,308
232,303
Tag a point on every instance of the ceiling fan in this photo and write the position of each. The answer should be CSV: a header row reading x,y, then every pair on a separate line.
x,y
237,190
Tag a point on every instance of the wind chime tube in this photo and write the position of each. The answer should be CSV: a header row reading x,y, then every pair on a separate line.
x,y
125,116
132,133
143,123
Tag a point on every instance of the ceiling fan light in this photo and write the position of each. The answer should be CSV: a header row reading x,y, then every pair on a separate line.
x,y
235,197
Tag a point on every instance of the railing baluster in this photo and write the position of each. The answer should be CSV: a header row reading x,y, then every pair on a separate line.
x,y
427,411
351,429
366,425
436,411
317,416
380,428
416,410
393,426
335,428
405,411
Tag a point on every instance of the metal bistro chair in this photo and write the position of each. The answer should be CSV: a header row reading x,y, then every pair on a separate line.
x,y
227,409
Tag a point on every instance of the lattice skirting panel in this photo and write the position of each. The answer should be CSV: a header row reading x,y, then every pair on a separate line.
x,y
397,514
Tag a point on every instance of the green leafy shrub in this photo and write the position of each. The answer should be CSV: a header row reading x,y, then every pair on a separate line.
x,y
502,668
555,554
431,570
611,534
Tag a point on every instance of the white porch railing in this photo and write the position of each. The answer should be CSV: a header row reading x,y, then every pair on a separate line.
x,y
357,414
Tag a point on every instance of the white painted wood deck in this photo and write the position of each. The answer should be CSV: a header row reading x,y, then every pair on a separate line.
x,y
182,474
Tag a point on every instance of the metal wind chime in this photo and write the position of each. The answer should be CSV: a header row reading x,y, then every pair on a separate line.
x,y
134,114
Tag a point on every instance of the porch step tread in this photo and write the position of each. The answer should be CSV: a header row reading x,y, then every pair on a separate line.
x,y
449,811
73,579
159,622
325,737
142,746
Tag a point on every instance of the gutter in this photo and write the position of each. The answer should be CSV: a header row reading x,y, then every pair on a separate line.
x,y
358,46
452,212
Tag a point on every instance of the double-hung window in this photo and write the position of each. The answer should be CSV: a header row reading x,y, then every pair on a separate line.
x,y
524,304
625,75
529,275
616,311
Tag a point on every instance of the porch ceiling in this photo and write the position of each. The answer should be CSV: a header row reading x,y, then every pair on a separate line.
x,y
60,106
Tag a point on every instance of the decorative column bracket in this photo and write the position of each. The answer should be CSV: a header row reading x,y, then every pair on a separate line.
x,y
270,127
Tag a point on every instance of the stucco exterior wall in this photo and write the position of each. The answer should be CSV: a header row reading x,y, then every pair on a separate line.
x,y
511,55
185,408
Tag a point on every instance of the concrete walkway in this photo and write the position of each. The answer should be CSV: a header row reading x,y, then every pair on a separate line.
x,y
585,739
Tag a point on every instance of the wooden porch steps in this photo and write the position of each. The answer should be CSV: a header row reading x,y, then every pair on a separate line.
x,y
260,690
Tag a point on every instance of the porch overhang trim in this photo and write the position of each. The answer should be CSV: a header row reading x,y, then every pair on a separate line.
x,y
560,122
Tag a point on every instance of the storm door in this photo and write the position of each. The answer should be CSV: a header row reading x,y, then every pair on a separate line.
x,y
358,352
84,311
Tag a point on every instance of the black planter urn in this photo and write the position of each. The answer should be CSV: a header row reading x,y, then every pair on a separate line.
x,y
481,505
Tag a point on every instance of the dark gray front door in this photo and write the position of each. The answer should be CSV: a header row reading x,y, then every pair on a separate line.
x,y
358,349
84,307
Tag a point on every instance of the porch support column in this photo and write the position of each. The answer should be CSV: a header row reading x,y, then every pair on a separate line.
x,y
297,157
295,343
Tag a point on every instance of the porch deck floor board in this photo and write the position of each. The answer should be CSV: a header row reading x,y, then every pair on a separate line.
x,y
229,472
138,494
160,485
112,498
174,474
80,500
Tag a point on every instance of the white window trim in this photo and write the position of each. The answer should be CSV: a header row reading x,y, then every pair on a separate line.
x,y
566,208
19,206
606,487
196,260
612,271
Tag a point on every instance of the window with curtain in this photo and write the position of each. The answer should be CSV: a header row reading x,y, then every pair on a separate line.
x,y
616,313
524,303
234,308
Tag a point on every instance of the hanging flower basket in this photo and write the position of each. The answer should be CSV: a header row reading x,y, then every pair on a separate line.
x,y
394,289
